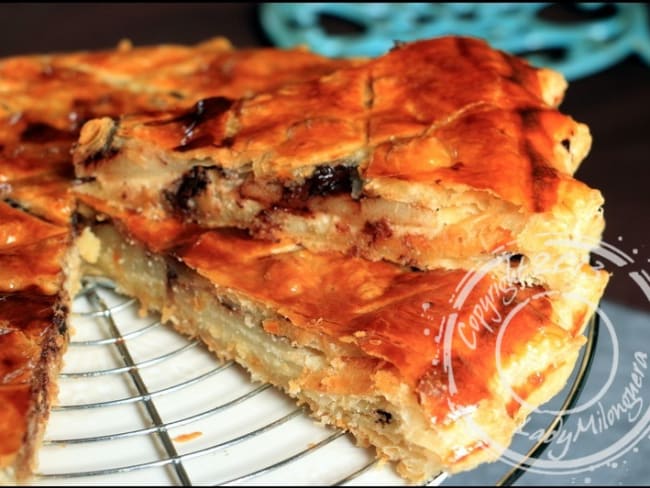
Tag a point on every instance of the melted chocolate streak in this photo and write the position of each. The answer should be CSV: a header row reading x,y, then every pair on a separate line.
x,y
39,132
326,180
191,184
13,306
191,120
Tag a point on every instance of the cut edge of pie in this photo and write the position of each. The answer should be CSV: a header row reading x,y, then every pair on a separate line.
x,y
439,154
348,356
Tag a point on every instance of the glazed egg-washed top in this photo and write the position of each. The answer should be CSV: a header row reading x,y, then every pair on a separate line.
x,y
485,120
441,153
447,110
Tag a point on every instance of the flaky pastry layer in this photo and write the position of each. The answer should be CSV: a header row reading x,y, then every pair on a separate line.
x,y
362,343
441,153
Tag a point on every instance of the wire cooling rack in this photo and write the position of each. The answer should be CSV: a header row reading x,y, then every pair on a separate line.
x,y
141,404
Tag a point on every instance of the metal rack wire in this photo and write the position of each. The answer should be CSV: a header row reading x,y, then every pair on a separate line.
x,y
191,419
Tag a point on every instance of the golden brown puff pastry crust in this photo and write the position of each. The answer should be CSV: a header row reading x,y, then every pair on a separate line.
x,y
409,92
33,332
405,157
387,327
69,88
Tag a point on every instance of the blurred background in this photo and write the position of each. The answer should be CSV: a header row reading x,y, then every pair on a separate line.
x,y
602,48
